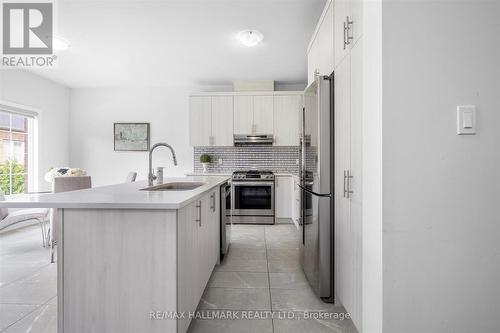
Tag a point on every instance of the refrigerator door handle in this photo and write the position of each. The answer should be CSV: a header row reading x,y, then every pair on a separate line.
x,y
327,195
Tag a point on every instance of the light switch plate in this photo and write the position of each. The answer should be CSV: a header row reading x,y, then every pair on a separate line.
x,y
466,119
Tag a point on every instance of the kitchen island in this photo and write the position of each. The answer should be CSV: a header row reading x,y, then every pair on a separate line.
x,y
131,260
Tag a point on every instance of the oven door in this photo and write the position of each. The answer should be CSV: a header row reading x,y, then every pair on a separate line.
x,y
253,198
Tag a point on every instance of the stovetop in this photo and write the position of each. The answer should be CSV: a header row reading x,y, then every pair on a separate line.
x,y
253,175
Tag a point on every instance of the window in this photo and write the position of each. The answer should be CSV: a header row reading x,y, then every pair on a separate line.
x,y
16,152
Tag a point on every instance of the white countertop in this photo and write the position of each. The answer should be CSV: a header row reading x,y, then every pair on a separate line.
x,y
120,196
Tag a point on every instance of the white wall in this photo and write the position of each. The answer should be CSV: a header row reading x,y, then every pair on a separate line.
x,y
372,222
93,112
441,252
52,99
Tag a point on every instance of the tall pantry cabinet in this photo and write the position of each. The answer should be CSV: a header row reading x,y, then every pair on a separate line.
x,y
348,74
340,26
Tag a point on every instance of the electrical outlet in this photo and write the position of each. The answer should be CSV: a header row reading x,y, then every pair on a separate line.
x,y
219,161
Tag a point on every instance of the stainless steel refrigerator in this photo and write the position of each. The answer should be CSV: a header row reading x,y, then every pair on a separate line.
x,y
316,172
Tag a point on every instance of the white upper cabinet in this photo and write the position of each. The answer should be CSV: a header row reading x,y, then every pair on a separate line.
x,y
356,16
200,120
263,107
348,26
287,119
211,121
243,114
312,62
325,39
321,54
253,114
340,14
222,121
214,118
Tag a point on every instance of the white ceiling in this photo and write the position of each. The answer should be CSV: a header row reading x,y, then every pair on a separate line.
x,y
162,43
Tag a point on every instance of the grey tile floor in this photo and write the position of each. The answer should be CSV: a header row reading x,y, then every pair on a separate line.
x,y
27,283
260,274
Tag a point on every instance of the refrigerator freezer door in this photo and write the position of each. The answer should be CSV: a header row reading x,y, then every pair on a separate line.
x,y
316,260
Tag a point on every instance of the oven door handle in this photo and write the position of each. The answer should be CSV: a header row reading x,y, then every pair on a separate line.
x,y
253,183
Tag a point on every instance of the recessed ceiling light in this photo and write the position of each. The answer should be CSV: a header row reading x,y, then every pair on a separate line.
x,y
250,37
60,44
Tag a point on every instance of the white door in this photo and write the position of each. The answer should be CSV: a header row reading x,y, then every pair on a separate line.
x,y
243,114
204,242
286,120
313,61
222,121
325,38
284,196
187,274
263,114
343,266
356,15
340,12
200,120
356,92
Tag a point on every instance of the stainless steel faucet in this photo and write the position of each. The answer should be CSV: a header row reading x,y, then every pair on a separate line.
x,y
151,176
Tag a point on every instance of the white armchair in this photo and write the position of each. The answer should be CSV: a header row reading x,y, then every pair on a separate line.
x,y
64,184
8,219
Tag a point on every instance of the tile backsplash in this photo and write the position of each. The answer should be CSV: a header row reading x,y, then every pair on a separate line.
x,y
277,159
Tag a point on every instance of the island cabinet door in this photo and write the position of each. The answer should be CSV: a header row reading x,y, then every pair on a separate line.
x,y
210,245
188,262
213,246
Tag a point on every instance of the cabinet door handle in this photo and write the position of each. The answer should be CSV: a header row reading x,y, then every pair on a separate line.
x,y
345,176
348,25
198,212
347,184
212,196
345,35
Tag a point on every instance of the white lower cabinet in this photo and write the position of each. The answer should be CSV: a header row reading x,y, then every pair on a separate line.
x,y
198,251
287,197
283,186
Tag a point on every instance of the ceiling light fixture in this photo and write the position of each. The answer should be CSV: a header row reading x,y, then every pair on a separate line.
x,y
250,37
60,44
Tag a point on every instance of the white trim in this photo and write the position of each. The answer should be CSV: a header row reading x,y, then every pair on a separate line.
x,y
33,145
23,110
318,25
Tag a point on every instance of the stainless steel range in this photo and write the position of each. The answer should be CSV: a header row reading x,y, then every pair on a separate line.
x,y
252,199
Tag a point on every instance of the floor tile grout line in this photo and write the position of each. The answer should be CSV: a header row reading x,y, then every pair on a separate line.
x,y
269,280
26,277
38,306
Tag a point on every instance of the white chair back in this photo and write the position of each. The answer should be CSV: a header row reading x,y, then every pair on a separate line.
x,y
66,184
131,177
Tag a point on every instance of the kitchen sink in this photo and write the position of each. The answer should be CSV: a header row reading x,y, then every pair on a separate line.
x,y
175,186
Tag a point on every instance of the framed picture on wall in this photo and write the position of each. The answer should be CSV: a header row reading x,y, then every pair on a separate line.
x,y
131,136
